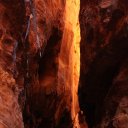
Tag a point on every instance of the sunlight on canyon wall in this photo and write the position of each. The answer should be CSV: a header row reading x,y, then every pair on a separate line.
x,y
69,58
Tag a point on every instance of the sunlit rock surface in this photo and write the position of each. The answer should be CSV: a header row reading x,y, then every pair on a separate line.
x,y
69,59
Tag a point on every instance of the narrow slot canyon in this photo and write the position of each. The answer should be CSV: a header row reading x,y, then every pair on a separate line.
x,y
63,64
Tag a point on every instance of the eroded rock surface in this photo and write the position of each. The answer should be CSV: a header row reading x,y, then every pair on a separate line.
x,y
40,50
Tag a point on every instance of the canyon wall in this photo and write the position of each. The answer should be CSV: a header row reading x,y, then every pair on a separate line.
x,y
103,85
10,27
69,59
40,54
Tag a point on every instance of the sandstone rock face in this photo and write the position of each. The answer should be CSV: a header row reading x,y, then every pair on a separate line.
x,y
69,59
40,51
10,27
10,113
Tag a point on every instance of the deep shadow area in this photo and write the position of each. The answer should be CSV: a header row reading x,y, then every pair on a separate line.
x,y
50,53
96,84
100,61
95,87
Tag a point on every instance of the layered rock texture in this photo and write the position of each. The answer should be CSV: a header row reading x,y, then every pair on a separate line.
x,y
63,64
40,53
